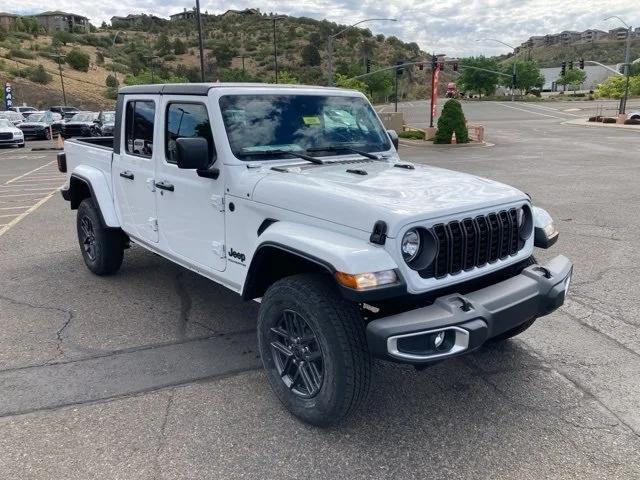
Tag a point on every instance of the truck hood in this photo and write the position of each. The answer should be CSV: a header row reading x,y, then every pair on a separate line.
x,y
33,124
398,196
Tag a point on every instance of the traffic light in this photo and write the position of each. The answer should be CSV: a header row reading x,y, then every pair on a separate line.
x,y
455,66
368,63
570,64
434,63
563,68
399,69
582,64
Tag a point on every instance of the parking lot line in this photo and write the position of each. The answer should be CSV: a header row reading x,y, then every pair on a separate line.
x,y
15,208
5,228
32,171
23,194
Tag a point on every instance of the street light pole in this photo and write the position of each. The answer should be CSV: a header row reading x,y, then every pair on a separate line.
x,y
330,43
200,42
627,65
275,46
513,85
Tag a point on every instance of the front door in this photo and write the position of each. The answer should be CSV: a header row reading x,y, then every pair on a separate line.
x,y
190,208
133,171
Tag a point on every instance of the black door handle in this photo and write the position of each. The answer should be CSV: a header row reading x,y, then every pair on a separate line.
x,y
165,186
127,174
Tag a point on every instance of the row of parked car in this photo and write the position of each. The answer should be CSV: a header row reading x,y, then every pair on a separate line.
x,y
23,122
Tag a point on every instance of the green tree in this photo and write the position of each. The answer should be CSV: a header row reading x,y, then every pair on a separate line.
x,y
163,44
61,37
39,75
179,47
352,84
613,87
78,60
528,75
476,75
452,120
287,78
111,81
572,78
310,55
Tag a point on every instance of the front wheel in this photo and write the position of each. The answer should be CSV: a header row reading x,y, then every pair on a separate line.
x,y
313,348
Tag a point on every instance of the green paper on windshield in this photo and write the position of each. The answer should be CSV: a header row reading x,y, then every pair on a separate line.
x,y
311,120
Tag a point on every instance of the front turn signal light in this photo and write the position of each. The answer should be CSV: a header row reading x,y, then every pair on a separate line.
x,y
364,281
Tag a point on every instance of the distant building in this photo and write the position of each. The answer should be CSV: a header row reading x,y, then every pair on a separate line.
x,y
568,37
7,20
184,15
590,36
246,11
619,33
56,20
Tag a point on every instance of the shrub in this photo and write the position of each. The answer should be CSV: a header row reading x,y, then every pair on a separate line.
x,y
413,134
632,121
111,81
39,75
99,58
20,53
452,120
78,60
609,120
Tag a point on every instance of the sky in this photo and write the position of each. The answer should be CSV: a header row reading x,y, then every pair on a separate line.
x,y
451,27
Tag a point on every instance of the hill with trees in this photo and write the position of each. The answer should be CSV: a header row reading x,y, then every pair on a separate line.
x,y
237,47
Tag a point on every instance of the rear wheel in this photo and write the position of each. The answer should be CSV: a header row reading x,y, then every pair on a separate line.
x,y
47,134
102,248
313,348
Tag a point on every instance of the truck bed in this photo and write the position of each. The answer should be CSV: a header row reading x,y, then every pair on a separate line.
x,y
90,153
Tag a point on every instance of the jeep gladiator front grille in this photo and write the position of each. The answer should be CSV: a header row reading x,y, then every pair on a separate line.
x,y
473,242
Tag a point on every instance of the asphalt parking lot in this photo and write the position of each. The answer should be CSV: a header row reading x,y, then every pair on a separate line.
x,y
153,373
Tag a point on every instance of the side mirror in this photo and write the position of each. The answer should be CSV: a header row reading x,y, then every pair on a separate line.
x,y
192,153
394,138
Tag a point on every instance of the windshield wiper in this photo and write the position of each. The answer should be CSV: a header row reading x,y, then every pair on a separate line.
x,y
337,148
263,153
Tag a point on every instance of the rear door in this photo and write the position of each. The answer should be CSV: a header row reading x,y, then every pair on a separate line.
x,y
133,168
190,208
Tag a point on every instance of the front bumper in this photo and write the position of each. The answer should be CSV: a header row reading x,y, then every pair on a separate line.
x,y
12,141
465,322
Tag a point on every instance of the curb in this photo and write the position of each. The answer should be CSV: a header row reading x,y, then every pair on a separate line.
x,y
425,143
584,123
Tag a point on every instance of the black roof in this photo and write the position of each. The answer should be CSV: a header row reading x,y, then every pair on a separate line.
x,y
199,88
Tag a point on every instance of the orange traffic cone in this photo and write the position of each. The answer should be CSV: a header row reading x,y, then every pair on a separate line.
x,y
453,139
60,142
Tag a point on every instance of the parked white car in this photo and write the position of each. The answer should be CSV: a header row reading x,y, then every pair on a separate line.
x,y
10,134
634,115
296,197
13,117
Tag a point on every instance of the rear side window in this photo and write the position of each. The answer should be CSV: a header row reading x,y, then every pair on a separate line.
x,y
186,120
139,120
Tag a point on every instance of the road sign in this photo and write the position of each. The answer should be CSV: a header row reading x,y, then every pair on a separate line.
x,y
8,96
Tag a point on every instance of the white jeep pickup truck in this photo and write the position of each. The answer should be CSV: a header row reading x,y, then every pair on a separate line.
x,y
296,197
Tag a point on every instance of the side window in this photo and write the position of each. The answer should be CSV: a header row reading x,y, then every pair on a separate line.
x,y
186,120
139,120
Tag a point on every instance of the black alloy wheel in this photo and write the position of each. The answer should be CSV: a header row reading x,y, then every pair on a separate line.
x,y
88,237
297,355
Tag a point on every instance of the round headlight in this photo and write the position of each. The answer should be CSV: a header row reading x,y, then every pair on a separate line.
x,y
410,245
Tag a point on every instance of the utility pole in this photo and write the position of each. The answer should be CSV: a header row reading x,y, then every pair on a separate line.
x,y
275,46
200,42
59,57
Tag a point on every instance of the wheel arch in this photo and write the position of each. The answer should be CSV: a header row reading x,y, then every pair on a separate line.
x,y
92,184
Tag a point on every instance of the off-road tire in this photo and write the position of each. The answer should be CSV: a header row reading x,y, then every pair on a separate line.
x,y
340,333
107,251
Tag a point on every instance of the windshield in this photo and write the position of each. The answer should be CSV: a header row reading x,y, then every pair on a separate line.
x,y
300,123
35,117
84,117
4,123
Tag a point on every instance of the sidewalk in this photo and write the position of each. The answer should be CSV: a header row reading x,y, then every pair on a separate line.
x,y
581,122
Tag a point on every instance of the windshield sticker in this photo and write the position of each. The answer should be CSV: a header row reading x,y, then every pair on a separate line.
x,y
311,120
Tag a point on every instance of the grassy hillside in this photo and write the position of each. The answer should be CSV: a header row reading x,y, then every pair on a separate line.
x,y
168,51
